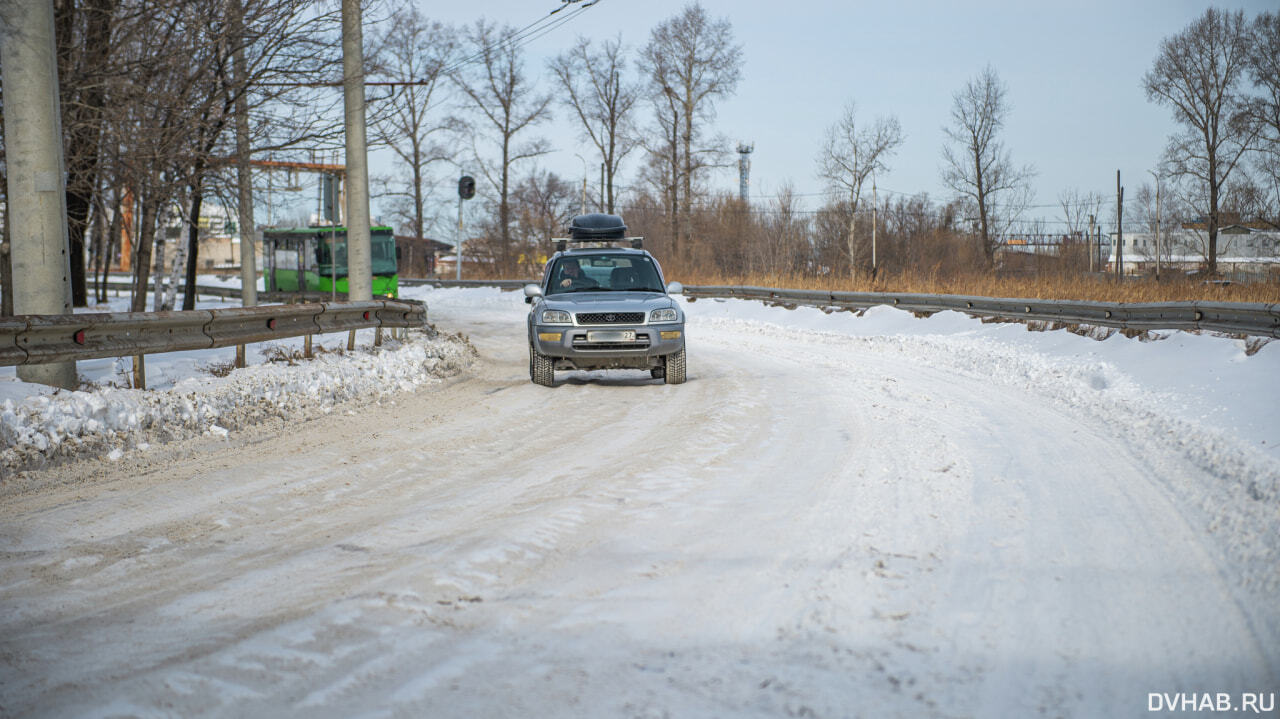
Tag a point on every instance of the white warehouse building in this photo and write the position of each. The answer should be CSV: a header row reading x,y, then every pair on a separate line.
x,y
1243,253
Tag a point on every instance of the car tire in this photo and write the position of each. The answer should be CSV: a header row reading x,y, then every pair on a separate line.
x,y
675,367
541,369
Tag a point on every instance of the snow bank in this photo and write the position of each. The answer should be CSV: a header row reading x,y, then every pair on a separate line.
x,y
1184,398
44,426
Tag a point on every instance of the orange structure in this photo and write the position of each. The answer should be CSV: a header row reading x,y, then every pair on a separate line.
x,y
126,232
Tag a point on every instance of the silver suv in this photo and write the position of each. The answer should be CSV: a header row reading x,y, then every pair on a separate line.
x,y
604,308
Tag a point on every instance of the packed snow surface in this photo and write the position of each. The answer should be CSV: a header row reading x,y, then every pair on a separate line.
x,y
838,515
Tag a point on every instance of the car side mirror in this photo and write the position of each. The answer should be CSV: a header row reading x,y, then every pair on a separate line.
x,y
531,292
675,288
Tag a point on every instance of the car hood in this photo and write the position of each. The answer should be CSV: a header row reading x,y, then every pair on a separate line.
x,y
607,302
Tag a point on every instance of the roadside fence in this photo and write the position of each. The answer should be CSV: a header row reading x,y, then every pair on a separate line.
x,y
39,339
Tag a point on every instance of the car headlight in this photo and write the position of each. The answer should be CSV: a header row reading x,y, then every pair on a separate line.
x,y
556,317
667,315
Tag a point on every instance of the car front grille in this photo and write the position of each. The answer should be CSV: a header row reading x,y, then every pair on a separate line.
x,y
610,318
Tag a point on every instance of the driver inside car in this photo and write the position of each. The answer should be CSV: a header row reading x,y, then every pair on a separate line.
x,y
572,276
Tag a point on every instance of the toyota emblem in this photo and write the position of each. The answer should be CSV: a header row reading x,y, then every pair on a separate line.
x,y
609,318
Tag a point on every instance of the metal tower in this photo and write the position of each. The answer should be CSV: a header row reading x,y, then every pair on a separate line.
x,y
744,170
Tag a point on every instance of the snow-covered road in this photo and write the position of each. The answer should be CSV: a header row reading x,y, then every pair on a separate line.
x,y
832,518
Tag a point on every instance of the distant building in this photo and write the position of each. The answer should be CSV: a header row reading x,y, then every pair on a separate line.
x,y
418,255
1244,252
472,268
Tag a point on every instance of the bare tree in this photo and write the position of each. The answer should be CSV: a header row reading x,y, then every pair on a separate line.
x,y
147,101
782,246
850,155
979,167
600,94
164,46
662,168
1264,111
83,36
830,225
418,50
728,235
508,104
279,50
542,205
690,62
1078,208
1198,74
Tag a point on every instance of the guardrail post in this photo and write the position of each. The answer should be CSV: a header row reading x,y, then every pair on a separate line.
x,y
377,336
306,347
139,372
351,341
239,356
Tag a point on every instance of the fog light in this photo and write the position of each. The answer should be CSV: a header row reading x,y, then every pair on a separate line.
x,y
671,335
550,336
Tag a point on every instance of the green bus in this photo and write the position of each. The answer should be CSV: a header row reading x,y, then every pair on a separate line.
x,y
312,258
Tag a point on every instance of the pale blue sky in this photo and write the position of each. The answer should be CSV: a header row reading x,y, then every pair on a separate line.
x,y
1073,72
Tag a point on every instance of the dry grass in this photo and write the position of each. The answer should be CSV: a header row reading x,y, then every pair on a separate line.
x,y
292,356
1045,286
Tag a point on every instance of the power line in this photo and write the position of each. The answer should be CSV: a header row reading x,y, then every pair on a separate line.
x,y
520,38
524,35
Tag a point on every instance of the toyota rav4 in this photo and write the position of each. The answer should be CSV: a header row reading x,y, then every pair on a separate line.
x,y
604,307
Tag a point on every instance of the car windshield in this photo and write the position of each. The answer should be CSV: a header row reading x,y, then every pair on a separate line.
x,y
605,273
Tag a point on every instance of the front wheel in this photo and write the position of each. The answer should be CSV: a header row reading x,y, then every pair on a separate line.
x,y
674,367
541,369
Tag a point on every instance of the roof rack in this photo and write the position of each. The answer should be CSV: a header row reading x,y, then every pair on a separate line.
x,y
599,229
562,243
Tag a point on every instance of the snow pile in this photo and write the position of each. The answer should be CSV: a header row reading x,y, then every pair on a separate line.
x,y
1199,399
45,427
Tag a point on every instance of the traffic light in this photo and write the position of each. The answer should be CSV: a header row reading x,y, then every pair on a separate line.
x,y
330,187
466,187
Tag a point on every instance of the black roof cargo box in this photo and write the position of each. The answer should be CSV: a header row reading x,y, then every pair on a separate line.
x,y
597,226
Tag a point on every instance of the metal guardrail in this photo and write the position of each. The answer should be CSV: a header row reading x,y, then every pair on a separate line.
x,y
1262,320
39,339
501,284
233,293
35,339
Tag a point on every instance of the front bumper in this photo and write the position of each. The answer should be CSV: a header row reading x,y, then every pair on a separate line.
x,y
571,345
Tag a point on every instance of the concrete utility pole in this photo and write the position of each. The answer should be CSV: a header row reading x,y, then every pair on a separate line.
x,y
359,254
1153,174
458,244
1119,228
875,205
1093,250
36,186
244,181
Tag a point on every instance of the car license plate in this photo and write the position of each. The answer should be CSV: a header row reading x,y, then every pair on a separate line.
x,y
612,336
